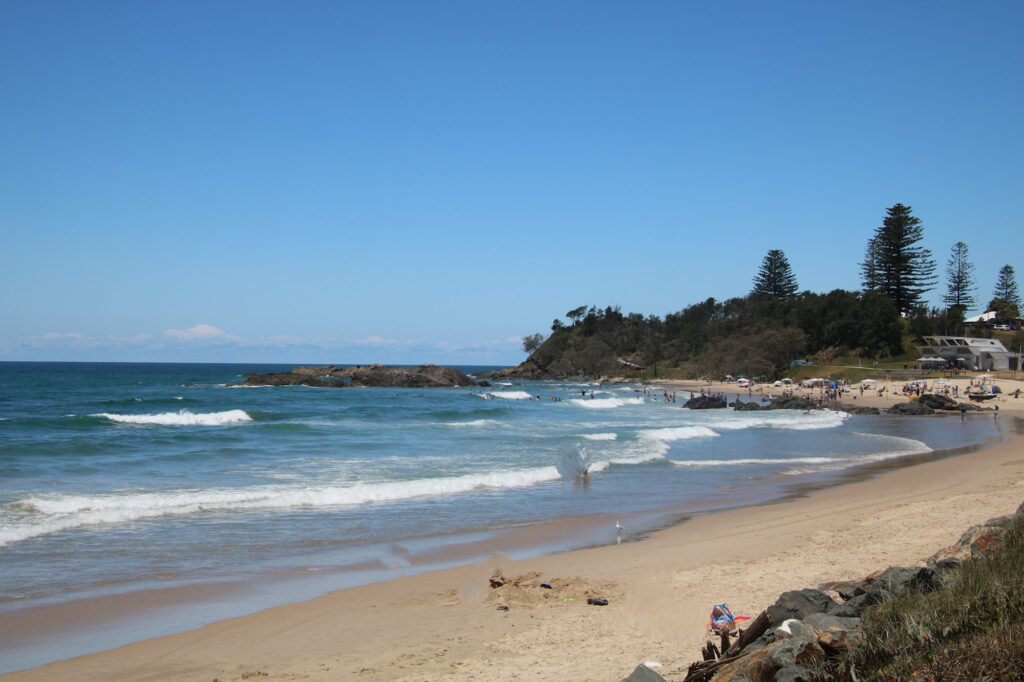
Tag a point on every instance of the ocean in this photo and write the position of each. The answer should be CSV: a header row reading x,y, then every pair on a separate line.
x,y
159,498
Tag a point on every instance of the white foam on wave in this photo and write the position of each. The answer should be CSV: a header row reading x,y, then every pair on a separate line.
x,y
182,418
605,403
678,433
791,420
45,515
900,447
511,395
475,422
653,444
600,436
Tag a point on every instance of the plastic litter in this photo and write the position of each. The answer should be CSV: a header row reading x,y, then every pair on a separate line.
x,y
721,619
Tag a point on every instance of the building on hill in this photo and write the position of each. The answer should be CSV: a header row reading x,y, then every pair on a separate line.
x,y
964,352
981,320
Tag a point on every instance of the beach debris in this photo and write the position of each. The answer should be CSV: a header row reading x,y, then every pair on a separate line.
x,y
497,579
502,607
546,586
721,621
597,601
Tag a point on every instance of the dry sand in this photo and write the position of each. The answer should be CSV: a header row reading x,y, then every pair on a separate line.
x,y
446,625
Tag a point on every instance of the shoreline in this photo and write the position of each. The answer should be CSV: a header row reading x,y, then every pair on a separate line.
x,y
442,625
93,624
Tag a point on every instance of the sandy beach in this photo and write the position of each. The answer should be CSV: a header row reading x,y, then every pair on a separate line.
x,y
447,624
882,394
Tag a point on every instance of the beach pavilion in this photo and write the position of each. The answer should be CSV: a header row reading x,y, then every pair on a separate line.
x,y
966,352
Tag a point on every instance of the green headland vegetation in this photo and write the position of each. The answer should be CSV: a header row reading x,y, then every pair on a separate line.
x,y
762,334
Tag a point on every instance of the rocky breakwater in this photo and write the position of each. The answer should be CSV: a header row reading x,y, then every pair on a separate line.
x,y
332,376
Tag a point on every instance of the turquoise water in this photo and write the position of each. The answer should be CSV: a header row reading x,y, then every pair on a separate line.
x,y
121,478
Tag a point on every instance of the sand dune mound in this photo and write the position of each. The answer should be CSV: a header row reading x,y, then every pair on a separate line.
x,y
528,591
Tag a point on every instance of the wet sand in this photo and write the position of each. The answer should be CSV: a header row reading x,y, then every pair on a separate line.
x,y
446,624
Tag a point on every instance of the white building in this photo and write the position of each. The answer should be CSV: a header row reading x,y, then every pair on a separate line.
x,y
965,352
984,318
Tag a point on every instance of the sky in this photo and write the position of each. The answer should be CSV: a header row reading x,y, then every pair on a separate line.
x,y
408,182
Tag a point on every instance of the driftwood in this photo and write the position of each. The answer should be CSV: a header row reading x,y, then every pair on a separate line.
x,y
710,652
701,671
757,628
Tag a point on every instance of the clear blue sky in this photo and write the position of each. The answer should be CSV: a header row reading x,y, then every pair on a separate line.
x,y
428,181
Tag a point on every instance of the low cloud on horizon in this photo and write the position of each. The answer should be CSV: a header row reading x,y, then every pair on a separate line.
x,y
207,343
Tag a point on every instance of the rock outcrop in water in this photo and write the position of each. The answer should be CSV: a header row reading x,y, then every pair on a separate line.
x,y
332,376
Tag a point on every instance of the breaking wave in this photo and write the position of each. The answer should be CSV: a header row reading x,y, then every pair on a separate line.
x,y
678,433
475,422
510,395
600,436
182,418
45,515
792,420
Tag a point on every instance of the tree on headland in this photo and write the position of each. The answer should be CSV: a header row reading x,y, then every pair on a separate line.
x,y
576,313
1006,285
894,265
959,280
869,270
532,342
775,277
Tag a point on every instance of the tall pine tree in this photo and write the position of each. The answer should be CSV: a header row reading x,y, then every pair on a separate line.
x,y
1006,285
893,264
959,280
775,277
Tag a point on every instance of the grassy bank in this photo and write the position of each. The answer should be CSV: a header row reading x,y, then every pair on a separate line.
x,y
971,629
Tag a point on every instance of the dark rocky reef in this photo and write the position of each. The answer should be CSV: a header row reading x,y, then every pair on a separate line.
x,y
706,402
784,403
331,376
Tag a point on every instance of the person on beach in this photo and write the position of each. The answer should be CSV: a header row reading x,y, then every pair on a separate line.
x,y
963,413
